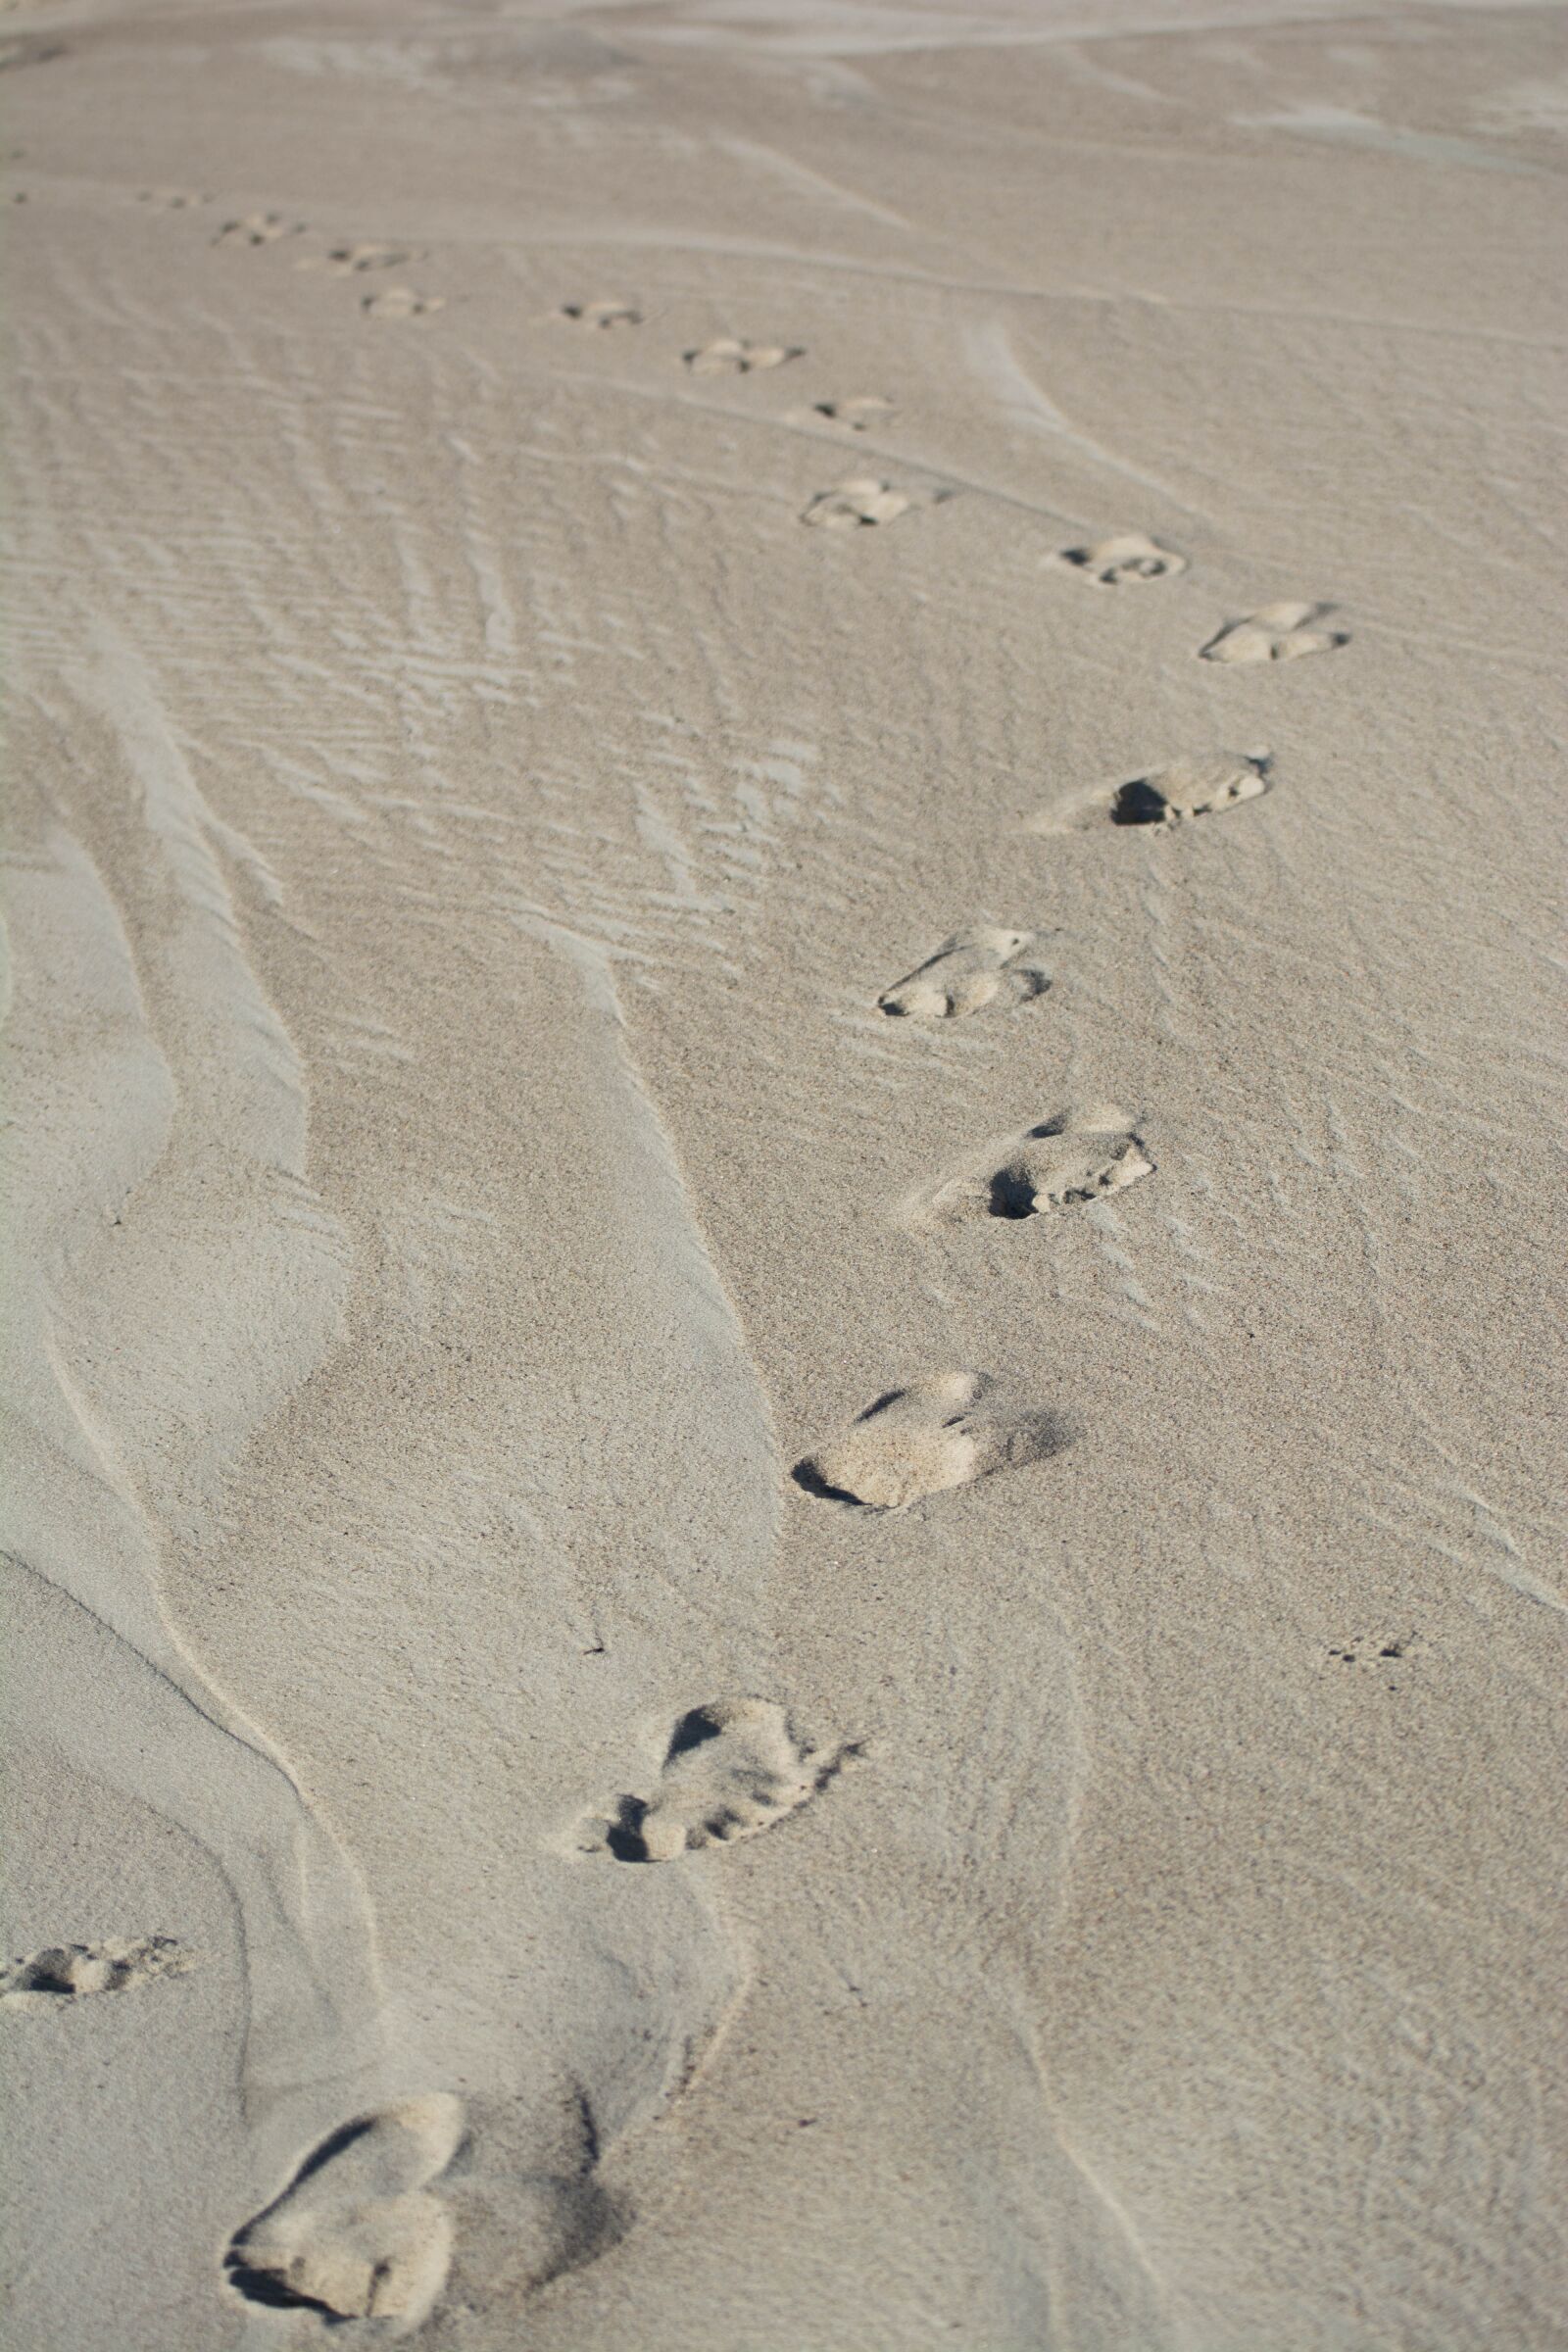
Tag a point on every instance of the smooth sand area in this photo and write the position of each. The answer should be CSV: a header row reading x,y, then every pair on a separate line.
x,y
786,1240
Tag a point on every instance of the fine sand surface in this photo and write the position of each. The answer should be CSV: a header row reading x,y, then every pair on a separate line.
x,y
783,1461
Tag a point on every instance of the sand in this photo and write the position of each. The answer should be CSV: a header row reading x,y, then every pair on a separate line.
x,y
783,1441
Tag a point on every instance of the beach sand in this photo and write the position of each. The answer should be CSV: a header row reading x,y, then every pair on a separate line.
x,y
784,1451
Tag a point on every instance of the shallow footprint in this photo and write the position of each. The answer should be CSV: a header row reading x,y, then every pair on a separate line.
x,y
258,228
727,357
601,313
1278,633
939,1433
729,1768
401,301
859,415
1202,785
855,504
983,965
345,261
354,2237
1063,1162
1128,556
68,1972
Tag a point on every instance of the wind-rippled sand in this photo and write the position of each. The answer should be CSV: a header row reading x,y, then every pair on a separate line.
x,y
783,1504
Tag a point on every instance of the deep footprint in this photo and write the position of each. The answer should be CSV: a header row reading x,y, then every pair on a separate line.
x,y
730,1769
1128,557
982,966
1203,786
938,1433
1063,1162
68,1972
354,2237
1278,633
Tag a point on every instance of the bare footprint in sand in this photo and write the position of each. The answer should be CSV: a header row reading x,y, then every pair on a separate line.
x,y
258,228
604,314
859,415
1066,1161
1202,786
1116,563
1278,633
939,1433
68,1972
978,966
354,2237
727,357
864,500
347,260
172,200
401,301
728,1769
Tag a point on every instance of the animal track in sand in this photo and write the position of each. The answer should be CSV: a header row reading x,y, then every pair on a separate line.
x,y
980,967
354,2237
1128,556
258,228
401,301
601,313
68,1972
1278,633
1203,786
727,357
346,261
859,415
1066,1161
862,501
729,1768
942,1432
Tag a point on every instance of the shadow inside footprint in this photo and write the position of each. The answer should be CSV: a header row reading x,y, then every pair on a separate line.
x,y
1140,804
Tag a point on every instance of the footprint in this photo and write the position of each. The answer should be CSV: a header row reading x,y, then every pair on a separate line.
x,y
859,415
1278,633
727,357
729,1768
601,313
401,301
1073,1158
980,967
1128,556
68,1972
258,228
172,200
945,1430
857,503
354,2237
345,259
1167,795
